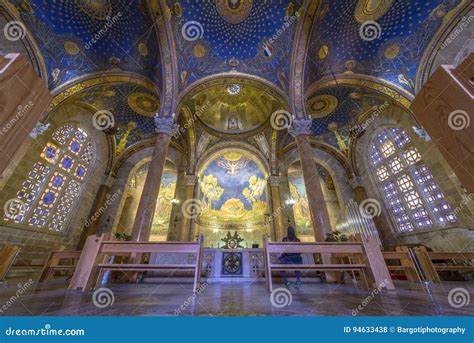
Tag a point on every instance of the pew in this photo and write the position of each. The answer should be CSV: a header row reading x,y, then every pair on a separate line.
x,y
405,263
366,253
8,254
59,261
96,259
429,261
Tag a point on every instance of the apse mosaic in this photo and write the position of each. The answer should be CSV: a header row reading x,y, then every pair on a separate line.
x,y
406,29
233,193
162,216
214,36
79,37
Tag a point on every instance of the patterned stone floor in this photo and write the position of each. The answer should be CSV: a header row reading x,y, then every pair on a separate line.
x,y
233,299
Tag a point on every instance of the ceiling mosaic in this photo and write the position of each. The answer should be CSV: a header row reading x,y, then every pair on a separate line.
x,y
80,37
214,36
132,107
379,38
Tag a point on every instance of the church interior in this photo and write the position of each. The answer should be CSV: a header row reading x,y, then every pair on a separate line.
x,y
155,153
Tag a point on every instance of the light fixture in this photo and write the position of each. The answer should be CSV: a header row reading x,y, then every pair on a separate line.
x,y
174,201
233,89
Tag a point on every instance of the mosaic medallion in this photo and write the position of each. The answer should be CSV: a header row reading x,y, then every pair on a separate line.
x,y
322,105
371,9
232,263
144,103
234,11
97,9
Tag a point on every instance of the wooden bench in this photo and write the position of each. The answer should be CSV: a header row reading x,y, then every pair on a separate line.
x,y
405,263
59,261
96,256
431,268
370,263
8,254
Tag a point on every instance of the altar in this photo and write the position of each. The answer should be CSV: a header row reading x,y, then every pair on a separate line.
x,y
222,265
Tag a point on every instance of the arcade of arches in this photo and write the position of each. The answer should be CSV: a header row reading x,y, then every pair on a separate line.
x,y
127,121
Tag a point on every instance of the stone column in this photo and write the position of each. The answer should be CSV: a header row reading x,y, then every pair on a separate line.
x,y
277,214
165,128
189,194
301,130
127,215
98,207
387,236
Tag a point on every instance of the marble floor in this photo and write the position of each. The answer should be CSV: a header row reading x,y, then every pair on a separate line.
x,y
230,299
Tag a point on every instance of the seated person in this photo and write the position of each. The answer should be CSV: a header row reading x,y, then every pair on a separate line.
x,y
291,258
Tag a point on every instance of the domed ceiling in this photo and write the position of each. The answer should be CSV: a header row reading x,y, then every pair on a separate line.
x,y
233,105
80,37
379,38
214,36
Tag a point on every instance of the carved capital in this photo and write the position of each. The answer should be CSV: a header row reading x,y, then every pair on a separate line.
x,y
38,130
355,182
108,180
300,127
274,180
190,180
165,124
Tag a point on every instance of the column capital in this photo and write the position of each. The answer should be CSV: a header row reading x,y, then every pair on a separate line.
x,y
300,126
355,182
108,180
190,180
165,124
274,180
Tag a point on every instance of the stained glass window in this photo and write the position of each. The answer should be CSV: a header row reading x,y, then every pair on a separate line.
x,y
411,194
53,184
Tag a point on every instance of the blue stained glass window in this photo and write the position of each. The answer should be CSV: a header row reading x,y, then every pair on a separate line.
x,y
411,194
75,146
66,163
80,171
49,198
48,193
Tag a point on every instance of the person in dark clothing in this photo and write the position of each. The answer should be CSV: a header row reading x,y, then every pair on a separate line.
x,y
291,258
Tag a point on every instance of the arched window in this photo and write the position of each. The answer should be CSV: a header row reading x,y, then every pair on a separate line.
x,y
411,194
52,186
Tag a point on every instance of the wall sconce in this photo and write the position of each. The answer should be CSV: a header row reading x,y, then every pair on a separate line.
x,y
290,201
174,201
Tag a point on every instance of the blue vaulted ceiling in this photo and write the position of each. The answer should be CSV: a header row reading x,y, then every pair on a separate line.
x,y
81,37
406,27
231,35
